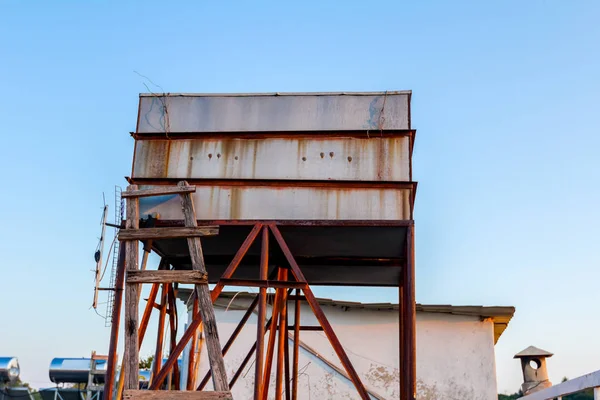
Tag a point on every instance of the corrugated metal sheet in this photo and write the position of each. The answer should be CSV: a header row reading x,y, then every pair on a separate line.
x,y
185,113
351,159
286,203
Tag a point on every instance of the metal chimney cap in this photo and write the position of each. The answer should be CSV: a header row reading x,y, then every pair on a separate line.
x,y
533,351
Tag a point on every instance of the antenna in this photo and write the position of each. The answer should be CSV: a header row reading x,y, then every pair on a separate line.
x,y
98,256
111,257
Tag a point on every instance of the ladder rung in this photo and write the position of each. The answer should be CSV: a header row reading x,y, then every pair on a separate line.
x,y
158,191
175,395
167,232
180,276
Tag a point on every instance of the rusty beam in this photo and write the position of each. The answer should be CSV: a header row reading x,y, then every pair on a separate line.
x,y
262,313
197,319
316,308
296,346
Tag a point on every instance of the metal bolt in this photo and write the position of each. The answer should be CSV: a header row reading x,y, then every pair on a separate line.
x,y
331,154
209,155
303,158
191,158
218,155
349,159
322,155
236,157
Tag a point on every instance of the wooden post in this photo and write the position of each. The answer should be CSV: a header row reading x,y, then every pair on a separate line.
x,y
262,312
282,340
213,347
131,353
111,366
296,346
147,311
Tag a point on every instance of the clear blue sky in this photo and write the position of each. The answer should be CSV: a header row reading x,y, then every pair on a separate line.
x,y
505,100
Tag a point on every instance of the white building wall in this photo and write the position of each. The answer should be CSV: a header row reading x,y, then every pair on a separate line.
x,y
455,354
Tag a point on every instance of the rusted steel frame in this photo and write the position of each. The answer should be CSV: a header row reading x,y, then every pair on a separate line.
x,y
291,222
316,308
296,346
286,350
409,307
232,338
266,378
197,320
247,358
111,364
191,377
151,297
173,322
283,183
403,381
282,340
262,313
147,312
158,354
263,283
360,134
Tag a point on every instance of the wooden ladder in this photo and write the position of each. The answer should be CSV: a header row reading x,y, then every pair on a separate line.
x,y
198,276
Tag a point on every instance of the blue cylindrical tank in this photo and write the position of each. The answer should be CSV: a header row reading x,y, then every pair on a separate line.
x,y
74,370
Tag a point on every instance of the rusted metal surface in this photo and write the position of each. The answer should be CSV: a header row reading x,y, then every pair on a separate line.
x,y
293,203
273,112
296,158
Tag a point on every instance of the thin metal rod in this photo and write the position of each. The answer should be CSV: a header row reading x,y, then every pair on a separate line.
x,y
158,354
271,345
232,338
286,350
262,313
282,340
246,359
191,377
296,346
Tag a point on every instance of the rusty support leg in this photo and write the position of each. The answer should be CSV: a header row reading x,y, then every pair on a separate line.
x,y
316,308
158,352
131,353
286,352
271,345
409,306
114,329
197,320
262,313
282,339
191,378
173,332
296,346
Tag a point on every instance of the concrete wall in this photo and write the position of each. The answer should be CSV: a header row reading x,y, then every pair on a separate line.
x,y
455,355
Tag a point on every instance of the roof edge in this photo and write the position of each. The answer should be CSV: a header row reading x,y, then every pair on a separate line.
x,y
377,93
